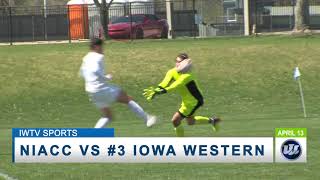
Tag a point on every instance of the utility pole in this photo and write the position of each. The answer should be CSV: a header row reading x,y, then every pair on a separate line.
x,y
45,19
169,17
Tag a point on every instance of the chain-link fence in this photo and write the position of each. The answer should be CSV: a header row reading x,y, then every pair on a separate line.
x,y
279,15
131,20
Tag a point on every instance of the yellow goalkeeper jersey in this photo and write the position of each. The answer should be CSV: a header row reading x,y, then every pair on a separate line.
x,y
185,85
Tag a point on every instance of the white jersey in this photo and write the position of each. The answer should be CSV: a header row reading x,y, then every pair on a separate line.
x,y
93,72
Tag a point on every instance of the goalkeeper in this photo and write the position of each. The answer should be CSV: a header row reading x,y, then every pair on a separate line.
x,y
182,81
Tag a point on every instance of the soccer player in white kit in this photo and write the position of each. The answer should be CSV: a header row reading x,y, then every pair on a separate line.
x,y
103,94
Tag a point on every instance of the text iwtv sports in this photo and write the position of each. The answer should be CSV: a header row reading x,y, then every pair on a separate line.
x,y
48,132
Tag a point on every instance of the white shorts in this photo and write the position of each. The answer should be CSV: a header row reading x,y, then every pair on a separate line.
x,y
105,97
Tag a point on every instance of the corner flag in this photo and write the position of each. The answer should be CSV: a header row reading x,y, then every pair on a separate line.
x,y
296,75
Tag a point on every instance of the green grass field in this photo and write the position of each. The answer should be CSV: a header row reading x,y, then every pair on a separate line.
x,y
246,81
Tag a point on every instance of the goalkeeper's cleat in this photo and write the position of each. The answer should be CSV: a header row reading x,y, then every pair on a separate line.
x,y
215,121
151,121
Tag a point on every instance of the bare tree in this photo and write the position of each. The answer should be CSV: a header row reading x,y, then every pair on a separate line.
x,y
104,14
4,3
302,16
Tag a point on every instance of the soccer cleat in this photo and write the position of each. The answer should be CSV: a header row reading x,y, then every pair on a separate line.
x,y
151,121
215,121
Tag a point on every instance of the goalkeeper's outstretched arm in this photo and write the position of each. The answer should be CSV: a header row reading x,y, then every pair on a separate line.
x,y
167,79
150,92
181,81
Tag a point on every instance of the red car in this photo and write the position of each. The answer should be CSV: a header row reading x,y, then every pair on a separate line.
x,y
142,26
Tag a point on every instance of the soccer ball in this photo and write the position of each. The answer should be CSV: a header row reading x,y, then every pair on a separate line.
x,y
184,66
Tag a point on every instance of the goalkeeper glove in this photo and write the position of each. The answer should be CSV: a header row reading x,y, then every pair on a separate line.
x,y
150,92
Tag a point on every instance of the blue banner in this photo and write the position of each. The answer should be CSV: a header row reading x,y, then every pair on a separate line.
x,y
62,132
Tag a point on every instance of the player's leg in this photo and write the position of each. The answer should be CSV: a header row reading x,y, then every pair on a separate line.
x,y
214,121
105,119
195,120
125,99
136,108
178,127
101,100
189,110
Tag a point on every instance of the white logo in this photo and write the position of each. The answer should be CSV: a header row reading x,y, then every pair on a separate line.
x,y
291,149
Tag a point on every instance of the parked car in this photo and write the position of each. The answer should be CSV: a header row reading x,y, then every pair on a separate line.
x,y
142,26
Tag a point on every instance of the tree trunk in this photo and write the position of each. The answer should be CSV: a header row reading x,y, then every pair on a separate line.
x,y
301,16
104,21
104,15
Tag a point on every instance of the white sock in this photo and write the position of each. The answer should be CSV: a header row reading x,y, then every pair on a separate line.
x,y
138,110
102,122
